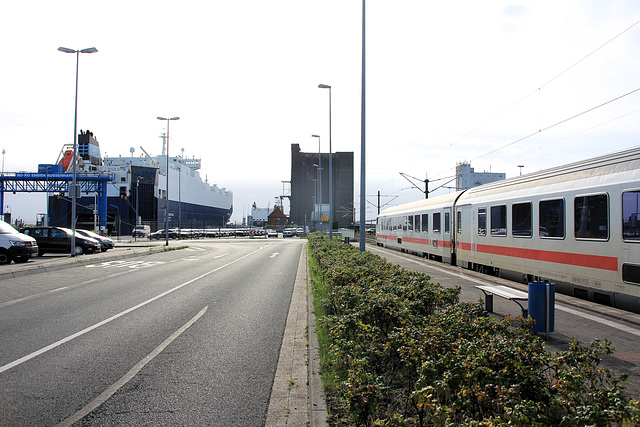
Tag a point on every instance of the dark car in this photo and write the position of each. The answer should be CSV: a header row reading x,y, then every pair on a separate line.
x,y
105,242
58,240
160,234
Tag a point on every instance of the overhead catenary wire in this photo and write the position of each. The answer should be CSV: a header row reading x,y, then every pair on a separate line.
x,y
537,90
557,123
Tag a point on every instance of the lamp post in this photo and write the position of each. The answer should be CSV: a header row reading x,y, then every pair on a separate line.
x,y
363,181
74,185
166,214
323,86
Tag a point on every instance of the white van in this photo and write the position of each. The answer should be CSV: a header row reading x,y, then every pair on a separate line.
x,y
15,246
141,231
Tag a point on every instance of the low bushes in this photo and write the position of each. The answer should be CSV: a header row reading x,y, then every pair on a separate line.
x,y
399,350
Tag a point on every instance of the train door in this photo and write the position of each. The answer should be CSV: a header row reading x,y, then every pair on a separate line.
x,y
447,240
463,235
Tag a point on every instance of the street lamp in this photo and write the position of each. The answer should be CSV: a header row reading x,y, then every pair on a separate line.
x,y
323,86
166,214
74,185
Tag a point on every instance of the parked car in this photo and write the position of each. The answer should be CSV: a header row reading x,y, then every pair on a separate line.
x,y
289,232
160,234
14,246
58,240
272,233
105,242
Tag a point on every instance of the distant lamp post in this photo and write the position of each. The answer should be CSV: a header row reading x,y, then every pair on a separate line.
x,y
74,185
166,214
323,86
520,166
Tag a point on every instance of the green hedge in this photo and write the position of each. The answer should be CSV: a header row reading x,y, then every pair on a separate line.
x,y
399,350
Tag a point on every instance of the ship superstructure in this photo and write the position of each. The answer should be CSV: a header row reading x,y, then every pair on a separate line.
x,y
138,193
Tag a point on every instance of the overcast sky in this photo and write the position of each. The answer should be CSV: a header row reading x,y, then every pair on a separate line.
x,y
447,81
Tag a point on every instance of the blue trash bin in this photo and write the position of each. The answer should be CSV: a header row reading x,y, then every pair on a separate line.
x,y
538,305
346,240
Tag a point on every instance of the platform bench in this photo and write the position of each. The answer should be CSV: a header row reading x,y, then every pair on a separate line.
x,y
506,293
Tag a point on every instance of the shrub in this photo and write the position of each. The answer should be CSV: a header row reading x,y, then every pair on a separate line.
x,y
400,350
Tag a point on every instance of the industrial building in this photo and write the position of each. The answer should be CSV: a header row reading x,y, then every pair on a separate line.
x,y
309,200
466,177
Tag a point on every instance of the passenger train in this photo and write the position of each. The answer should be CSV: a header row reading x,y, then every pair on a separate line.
x,y
577,226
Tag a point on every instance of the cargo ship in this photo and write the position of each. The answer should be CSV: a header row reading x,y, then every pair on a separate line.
x,y
137,193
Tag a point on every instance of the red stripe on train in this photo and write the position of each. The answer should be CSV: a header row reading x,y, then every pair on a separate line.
x,y
580,260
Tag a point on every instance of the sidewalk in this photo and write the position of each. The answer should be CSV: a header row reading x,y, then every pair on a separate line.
x,y
297,398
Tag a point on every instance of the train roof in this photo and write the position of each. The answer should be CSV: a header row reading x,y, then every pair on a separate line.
x,y
585,173
625,165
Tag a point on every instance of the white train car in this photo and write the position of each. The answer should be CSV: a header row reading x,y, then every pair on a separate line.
x,y
423,227
575,225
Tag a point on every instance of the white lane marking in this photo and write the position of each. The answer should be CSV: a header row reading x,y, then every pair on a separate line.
x,y
105,395
220,256
601,320
275,254
122,263
116,316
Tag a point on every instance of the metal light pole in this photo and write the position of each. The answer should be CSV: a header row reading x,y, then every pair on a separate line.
x,y
363,183
74,185
166,214
323,86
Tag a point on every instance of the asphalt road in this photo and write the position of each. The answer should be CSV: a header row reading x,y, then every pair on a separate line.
x,y
574,318
187,337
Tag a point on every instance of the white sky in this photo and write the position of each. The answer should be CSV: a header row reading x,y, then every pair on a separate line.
x,y
243,77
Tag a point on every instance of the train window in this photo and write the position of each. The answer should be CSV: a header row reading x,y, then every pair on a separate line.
x,y
436,222
410,223
592,217
499,220
425,223
459,222
551,214
482,221
631,215
416,223
447,220
521,220
631,273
